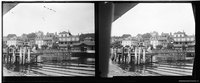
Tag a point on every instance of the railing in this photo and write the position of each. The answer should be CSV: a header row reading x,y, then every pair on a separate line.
x,y
171,51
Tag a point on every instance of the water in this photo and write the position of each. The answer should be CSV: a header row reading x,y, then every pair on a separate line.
x,y
74,67
163,68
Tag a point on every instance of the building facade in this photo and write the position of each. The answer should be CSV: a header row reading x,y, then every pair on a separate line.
x,y
181,39
130,41
14,41
67,39
85,45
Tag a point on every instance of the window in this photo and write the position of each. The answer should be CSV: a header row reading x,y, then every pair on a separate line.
x,y
192,39
68,39
183,39
73,39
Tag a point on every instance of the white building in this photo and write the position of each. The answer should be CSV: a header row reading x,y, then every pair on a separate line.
x,y
154,41
40,42
14,41
129,42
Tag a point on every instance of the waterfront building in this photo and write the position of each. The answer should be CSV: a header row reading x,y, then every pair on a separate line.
x,y
181,39
154,41
130,41
49,39
39,41
67,39
162,39
85,45
15,41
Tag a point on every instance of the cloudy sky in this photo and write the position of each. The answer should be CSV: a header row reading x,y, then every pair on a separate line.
x,y
49,17
160,17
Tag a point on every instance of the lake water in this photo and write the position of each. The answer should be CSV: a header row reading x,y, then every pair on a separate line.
x,y
74,67
164,68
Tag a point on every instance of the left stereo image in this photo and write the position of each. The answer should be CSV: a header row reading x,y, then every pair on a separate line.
x,y
48,39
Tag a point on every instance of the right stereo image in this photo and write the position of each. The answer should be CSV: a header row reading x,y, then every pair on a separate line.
x,y
152,39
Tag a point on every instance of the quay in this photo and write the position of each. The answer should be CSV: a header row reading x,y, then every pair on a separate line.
x,y
140,55
24,55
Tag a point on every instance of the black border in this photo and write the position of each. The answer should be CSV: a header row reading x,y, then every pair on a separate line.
x,y
97,78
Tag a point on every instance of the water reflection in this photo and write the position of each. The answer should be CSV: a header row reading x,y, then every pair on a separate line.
x,y
160,68
55,66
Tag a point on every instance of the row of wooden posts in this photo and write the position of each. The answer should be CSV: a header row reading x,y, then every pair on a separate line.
x,y
24,55
139,55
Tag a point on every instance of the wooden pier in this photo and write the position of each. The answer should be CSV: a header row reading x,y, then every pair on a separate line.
x,y
24,55
141,55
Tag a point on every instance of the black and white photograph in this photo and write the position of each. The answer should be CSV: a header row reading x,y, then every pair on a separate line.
x,y
99,41
153,39
48,39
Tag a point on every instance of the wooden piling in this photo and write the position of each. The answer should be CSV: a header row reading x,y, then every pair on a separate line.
x,y
13,56
7,56
129,56
122,54
20,56
135,55
39,58
24,53
144,56
139,55
29,55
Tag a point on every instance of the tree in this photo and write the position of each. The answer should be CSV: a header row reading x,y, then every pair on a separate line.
x,y
146,35
159,47
31,36
11,35
126,35
24,37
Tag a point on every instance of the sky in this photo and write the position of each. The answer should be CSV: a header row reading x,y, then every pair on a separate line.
x,y
160,17
49,17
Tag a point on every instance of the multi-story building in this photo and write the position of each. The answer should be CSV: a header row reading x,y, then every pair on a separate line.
x,y
86,44
47,39
130,41
164,39
155,41
181,39
39,41
15,41
67,39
